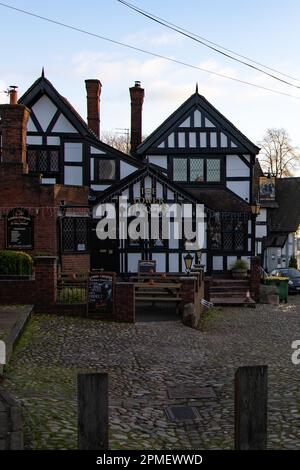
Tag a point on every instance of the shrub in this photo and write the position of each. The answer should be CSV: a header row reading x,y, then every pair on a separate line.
x,y
15,263
240,264
293,262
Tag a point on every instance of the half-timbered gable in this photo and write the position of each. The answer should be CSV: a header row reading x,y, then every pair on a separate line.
x,y
148,186
198,147
63,148
205,154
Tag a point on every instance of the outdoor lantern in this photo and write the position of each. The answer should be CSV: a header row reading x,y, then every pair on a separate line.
x,y
255,208
188,261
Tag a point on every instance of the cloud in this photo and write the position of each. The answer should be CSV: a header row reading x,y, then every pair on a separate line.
x,y
149,37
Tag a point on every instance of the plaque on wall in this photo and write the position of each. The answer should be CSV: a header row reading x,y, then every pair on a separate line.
x,y
19,229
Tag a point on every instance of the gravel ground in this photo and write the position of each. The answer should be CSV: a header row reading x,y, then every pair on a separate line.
x,y
143,361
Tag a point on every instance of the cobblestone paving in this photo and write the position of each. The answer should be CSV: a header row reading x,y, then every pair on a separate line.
x,y
143,360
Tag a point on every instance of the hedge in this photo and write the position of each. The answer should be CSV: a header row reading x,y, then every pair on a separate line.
x,y
15,263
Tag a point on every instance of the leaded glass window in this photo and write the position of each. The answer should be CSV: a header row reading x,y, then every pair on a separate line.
x,y
213,170
106,169
227,234
75,234
180,169
197,169
43,160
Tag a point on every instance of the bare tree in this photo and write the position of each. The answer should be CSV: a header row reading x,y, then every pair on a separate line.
x,y
119,141
278,156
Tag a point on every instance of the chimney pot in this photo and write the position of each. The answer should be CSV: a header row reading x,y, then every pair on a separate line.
x,y
93,89
13,94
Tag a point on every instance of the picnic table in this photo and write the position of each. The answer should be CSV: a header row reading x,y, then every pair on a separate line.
x,y
158,292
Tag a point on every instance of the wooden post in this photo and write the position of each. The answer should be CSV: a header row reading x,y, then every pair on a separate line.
x,y
251,396
92,411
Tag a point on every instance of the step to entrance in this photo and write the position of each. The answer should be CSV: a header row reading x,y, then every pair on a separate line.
x,y
231,292
232,302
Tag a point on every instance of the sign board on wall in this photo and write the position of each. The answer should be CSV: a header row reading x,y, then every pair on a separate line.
x,y
19,229
147,266
267,188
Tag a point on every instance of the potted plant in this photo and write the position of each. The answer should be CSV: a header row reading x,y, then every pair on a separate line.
x,y
239,269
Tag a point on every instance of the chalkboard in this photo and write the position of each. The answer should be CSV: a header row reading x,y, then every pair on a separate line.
x,y
101,292
147,266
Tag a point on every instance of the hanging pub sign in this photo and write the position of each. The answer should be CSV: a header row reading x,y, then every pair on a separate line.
x,y
101,291
19,229
267,188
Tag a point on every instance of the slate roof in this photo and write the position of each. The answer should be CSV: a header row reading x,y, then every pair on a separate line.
x,y
220,200
287,217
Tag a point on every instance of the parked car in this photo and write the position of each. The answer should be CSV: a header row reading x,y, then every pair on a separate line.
x,y
293,275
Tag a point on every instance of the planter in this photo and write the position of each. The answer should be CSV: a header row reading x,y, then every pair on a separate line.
x,y
239,273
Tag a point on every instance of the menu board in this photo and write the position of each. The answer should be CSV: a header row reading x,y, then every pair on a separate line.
x,y
19,229
101,292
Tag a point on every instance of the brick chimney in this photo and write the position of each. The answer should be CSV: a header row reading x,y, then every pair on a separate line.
x,y
93,89
14,119
137,98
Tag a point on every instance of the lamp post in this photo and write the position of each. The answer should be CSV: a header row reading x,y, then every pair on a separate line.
x,y
255,210
188,261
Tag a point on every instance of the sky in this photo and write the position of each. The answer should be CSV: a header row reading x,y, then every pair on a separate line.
x,y
266,31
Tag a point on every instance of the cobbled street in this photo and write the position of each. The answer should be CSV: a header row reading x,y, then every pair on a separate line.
x,y
143,361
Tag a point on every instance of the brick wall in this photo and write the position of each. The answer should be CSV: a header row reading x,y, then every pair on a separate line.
x,y
124,302
77,263
41,291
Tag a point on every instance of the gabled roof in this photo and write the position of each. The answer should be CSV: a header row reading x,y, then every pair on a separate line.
x,y
43,86
146,170
197,101
287,194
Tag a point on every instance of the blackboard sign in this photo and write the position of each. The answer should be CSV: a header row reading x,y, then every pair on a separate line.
x,y
101,292
19,229
147,266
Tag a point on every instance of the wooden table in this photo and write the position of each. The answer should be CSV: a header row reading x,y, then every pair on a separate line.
x,y
158,292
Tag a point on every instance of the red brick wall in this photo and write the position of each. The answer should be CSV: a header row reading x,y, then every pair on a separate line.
x,y
124,302
41,291
77,263
17,292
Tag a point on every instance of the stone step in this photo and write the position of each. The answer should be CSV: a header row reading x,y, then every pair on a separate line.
x,y
239,294
242,288
222,282
233,302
